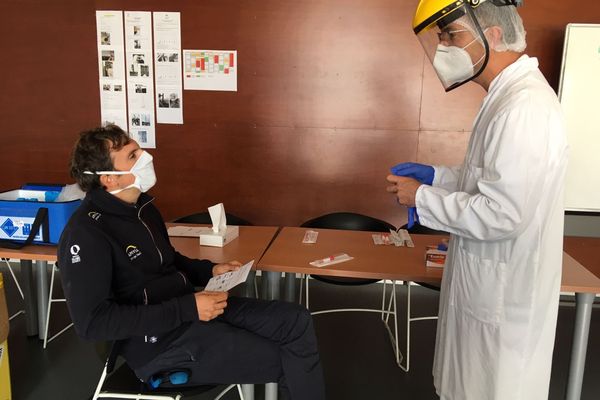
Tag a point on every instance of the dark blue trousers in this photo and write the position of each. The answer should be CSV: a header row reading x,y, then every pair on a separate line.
x,y
254,341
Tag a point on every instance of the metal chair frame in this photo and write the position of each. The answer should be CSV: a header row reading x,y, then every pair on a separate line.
x,y
141,395
386,313
12,273
50,301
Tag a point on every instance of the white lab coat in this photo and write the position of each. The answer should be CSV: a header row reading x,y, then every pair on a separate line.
x,y
504,210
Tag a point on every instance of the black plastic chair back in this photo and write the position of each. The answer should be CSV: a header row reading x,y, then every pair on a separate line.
x,y
347,221
204,218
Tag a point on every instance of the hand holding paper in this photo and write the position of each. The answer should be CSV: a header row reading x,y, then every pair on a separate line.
x,y
226,267
228,280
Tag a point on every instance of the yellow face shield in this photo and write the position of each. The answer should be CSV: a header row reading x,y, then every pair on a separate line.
x,y
452,40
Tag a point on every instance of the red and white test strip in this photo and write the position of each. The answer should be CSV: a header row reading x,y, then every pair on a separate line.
x,y
334,259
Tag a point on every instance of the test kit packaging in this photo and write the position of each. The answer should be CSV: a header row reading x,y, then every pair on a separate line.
x,y
19,208
4,366
435,257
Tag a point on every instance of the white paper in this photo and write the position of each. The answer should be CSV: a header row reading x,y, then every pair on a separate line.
x,y
140,77
210,70
188,231
111,68
228,280
167,61
217,217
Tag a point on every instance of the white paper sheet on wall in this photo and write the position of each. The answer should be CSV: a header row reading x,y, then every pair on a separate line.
x,y
111,68
167,61
140,77
210,70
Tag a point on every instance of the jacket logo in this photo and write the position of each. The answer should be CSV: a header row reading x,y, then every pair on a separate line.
x,y
75,253
94,215
132,252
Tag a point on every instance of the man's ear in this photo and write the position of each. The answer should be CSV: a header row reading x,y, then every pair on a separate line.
x,y
494,36
108,181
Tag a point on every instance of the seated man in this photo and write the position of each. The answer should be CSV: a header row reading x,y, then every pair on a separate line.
x,y
124,281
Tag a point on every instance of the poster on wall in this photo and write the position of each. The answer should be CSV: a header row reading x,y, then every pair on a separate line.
x,y
111,68
210,70
140,77
167,61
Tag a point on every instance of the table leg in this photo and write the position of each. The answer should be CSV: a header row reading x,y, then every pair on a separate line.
x,y
42,295
273,285
290,287
271,391
249,286
31,316
580,342
248,391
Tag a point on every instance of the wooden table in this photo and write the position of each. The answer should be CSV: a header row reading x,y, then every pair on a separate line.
x,y
251,244
287,253
586,250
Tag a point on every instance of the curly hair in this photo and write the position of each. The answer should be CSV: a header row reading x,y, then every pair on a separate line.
x,y
92,153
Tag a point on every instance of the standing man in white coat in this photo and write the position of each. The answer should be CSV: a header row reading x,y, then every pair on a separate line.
x,y
503,207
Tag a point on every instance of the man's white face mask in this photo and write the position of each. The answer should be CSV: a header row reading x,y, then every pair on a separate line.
x,y
453,64
142,170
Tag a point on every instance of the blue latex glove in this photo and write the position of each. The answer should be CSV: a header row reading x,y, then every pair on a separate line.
x,y
413,217
421,172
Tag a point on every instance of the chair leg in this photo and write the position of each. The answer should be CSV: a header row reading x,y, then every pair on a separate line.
x,y
388,311
100,382
50,301
306,295
12,273
300,290
227,389
49,306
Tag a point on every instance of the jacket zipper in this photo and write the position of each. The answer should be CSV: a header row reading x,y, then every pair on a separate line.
x,y
145,303
148,229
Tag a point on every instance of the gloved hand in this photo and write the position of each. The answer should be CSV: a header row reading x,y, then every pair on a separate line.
x,y
422,173
413,217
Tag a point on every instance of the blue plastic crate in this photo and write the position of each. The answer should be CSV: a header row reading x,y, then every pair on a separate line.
x,y
19,207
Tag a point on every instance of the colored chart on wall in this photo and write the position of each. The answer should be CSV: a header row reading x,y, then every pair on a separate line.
x,y
210,70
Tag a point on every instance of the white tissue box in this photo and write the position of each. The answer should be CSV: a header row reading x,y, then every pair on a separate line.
x,y
220,238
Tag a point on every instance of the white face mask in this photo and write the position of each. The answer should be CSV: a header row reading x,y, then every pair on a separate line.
x,y
453,64
143,170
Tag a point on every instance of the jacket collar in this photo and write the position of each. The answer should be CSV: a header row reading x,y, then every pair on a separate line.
x,y
109,203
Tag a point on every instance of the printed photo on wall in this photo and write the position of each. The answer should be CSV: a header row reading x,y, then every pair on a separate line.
x,y
105,38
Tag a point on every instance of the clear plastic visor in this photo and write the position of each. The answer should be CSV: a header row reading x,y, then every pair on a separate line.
x,y
456,49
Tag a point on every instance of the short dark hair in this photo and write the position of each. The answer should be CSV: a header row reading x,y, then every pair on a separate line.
x,y
92,153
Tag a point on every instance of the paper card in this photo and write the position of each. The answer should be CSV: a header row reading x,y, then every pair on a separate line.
x,y
228,280
335,259
310,237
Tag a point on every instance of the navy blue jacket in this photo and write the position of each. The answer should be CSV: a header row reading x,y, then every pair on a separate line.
x,y
122,278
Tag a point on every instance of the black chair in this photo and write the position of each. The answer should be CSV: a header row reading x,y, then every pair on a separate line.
x,y
356,222
204,218
421,230
122,383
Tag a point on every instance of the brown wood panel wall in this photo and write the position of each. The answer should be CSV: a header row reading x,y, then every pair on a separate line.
x,y
331,93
